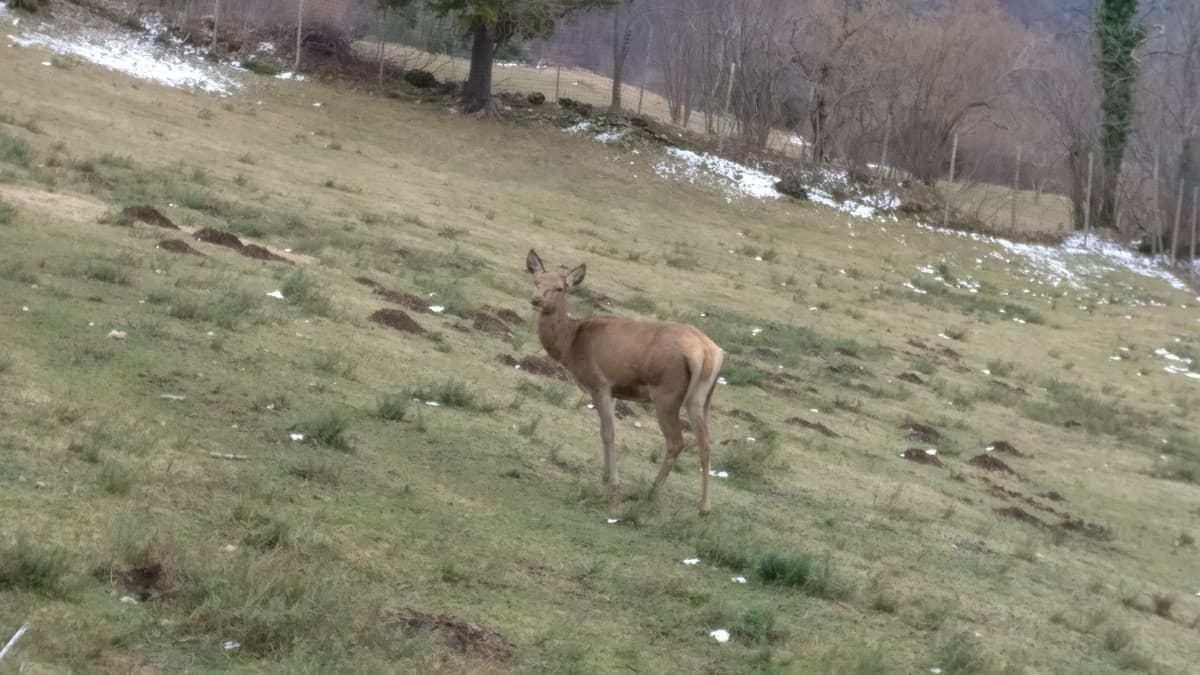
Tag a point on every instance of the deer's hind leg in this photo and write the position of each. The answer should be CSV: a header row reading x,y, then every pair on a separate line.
x,y
666,405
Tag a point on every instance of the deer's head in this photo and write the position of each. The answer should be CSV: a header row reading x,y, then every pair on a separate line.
x,y
550,288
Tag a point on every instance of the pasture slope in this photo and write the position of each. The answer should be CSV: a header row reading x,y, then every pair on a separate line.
x,y
158,515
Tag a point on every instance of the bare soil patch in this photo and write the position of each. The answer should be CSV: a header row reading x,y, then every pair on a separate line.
x,y
504,314
413,302
67,207
1086,529
911,378
218,237
458,634
369,282
921,457
1018,513
262,253
1053,496
921,432
397,320
487,322
990,463
178,246
149,215
744,416
1004,447
142,582
814,426
544,366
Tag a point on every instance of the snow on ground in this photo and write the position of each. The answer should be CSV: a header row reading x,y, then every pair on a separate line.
x,y
735,179
135,54
1077,258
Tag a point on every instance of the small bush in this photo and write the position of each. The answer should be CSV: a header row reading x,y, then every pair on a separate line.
x,y
26,567
813,577
1001,368
727,550
755,626
8,213
273,533
961,654
1116,638
328,430
1163,605
452,394
106,273
316,470
741,375
115,478
392,408
14,150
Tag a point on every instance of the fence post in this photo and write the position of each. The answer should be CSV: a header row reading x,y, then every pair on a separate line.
x,y
950,184
299,35
1192,260
887,137
216,25
1175,228
1157,212
1012,216
1087,201
557,80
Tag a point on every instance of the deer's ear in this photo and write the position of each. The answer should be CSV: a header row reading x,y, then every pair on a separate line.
x,y
575,276
533,263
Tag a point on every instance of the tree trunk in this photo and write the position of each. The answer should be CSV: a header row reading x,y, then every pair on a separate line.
x,y
478,90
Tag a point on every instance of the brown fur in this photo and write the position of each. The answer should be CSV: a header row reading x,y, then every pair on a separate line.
x,y
671,365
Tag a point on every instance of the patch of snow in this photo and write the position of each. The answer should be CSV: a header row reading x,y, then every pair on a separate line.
x,y
297,437
735,179
607,137
290,76
690,561
931,451
136,55
720,380
719,474
738,580
613,521
720,635
909,285
1171,357
578,128
1077,258
278,295
433,404
437,309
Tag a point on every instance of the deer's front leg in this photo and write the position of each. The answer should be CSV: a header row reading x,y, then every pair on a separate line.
x,y
606,406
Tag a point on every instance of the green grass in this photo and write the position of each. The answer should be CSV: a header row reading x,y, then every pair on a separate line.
x,y
489,507
8,213
25,566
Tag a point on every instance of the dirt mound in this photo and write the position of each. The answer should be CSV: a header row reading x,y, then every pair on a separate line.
x,y
765,354
1018,513
505,315
149,215
793,187
408,300
1089,530
261,253
367,281
921,432
544,366
920,457
1003,447
218,237
178,246
421,79
141,582
990,463
911,378
1053,496
460,635
486,322
744,416
398,320
815,426
507,360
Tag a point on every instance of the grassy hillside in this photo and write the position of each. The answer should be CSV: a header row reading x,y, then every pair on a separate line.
x,y
131,548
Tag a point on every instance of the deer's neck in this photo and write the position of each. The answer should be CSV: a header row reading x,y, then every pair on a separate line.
x,y
556,331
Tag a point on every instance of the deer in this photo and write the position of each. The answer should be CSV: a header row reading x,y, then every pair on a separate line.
x,y
669,365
